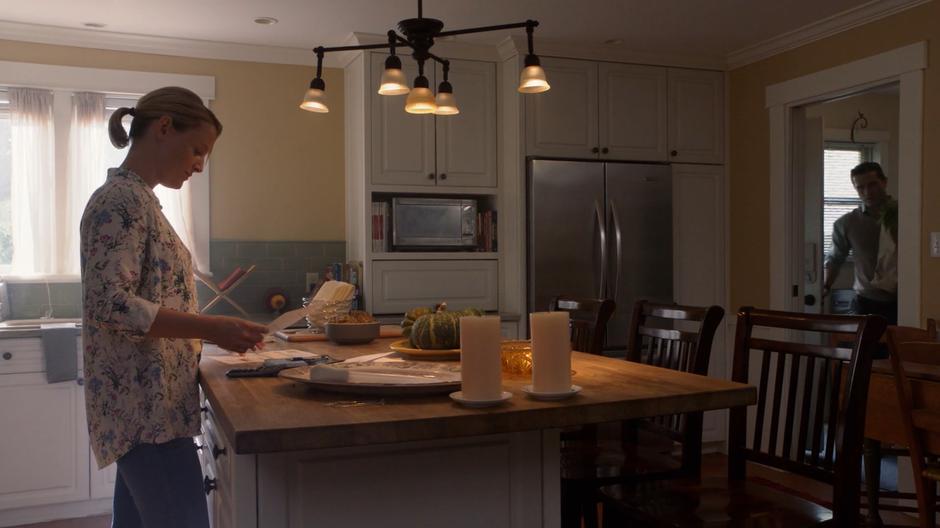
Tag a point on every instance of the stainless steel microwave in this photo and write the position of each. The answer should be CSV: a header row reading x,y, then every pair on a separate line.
x,y
434,223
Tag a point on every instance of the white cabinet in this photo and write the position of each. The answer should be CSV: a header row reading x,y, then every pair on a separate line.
x,y
44,444
400,285
562,122
102,480
696,116
632,115
699,261
610,111
428,150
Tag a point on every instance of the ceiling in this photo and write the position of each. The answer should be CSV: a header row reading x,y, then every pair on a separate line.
x,y
714,28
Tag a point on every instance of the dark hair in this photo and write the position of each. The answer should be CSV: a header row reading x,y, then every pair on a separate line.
x,y
869,166
184,108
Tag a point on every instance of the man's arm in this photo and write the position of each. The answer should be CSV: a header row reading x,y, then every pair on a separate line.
x,y
835,259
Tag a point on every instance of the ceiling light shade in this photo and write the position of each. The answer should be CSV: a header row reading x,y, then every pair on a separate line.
x,y
532,79
315,98
445,100
393,83
420,101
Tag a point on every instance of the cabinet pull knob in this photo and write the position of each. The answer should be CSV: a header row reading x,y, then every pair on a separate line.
x,y
217,451
80,381
595,150
443,176
210,484
431,176
674,153
605,150
7,356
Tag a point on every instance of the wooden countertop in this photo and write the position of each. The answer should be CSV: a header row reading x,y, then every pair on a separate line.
x,y
264,415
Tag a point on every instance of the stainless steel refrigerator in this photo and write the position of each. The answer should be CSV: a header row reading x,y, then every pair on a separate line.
x,y
599,230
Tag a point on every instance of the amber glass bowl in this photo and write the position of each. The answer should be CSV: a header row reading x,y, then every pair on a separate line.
x,y
516,357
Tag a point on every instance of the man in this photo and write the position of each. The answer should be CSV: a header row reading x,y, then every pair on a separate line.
x,y
860,231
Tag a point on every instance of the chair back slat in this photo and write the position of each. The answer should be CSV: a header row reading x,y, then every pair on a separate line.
x,y
588,320
824,388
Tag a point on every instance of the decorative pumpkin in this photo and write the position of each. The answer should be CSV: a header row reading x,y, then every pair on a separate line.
x,y
410,318
439,330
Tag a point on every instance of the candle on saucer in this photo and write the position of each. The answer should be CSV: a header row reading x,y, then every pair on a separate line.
x,y
480,366
551,352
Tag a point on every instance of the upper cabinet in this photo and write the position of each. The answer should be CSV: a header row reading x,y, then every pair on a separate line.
x,y
428,150
696,116
601,110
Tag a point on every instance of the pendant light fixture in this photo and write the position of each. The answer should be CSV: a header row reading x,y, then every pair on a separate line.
x,y
418,34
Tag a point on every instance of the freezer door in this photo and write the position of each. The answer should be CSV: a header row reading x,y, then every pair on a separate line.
x,y
565,224
639,202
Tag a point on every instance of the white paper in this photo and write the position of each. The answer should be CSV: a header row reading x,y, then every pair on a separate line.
x,y
257,357
287,319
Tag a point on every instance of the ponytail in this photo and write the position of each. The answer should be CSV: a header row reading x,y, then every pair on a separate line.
x,y
184,108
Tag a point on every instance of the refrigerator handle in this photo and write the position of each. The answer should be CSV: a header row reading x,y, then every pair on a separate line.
x,y
599,218
618,241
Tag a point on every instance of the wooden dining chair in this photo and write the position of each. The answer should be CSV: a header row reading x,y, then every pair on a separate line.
x,y
873,451
663,335
589,319
909,352
809,421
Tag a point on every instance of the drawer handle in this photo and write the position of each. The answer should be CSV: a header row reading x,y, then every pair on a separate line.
x,y
431,176
605,150
210,484
443,175
204,408
217,451
674,153
80,381
7,356
595,150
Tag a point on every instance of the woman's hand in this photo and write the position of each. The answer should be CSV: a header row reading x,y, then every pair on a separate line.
x,y
237,335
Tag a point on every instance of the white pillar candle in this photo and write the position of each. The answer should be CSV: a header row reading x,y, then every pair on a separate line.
x,y
551,351
480,367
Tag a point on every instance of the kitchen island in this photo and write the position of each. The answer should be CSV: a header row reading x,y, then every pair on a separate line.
x,y
277,453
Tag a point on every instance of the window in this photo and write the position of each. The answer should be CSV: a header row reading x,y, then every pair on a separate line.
x,y
839,195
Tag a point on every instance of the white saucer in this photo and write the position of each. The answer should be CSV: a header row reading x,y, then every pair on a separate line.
x,y
458,397
551,396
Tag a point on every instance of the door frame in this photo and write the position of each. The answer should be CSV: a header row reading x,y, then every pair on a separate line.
x,y
905,65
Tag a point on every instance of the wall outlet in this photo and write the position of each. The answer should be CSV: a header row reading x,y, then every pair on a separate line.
x,y
935,244
312,278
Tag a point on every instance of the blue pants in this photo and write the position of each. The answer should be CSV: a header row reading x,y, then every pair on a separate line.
x,y
160,486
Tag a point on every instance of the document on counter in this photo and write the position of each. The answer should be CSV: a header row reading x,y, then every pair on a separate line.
x,y
259,357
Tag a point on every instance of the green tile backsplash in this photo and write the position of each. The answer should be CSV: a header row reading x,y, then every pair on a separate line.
x,y
280,264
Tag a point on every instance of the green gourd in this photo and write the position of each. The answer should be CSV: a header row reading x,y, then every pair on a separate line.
x,y
440,329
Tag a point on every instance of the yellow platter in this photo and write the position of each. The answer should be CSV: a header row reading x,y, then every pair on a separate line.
x,y
402,348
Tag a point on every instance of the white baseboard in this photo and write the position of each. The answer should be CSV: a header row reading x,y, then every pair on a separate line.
x,y
53,512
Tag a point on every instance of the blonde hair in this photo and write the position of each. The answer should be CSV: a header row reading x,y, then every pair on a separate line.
x,y
182,106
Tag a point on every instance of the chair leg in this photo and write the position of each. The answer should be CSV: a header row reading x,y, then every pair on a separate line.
x,y
872,458
927,502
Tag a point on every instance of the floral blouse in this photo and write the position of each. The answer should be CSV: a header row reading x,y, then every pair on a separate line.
x,y
137,389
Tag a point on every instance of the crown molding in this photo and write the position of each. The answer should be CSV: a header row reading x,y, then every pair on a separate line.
x,y
851,18
177,47
518,45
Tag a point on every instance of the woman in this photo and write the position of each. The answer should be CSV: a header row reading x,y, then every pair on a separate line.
x,y
141,329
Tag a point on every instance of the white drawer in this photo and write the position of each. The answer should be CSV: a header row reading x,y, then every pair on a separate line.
x,y
400,285
21,355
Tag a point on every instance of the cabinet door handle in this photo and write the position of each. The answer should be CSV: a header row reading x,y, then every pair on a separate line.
x,y
80,381
443,176
7,356
209,484
674,153
217,451
605,150
204,408
431,176
595,150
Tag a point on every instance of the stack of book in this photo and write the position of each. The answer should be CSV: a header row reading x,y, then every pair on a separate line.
x,y
486,231
380,219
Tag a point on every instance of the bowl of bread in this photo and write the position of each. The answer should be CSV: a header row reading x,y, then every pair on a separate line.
x,y
353,328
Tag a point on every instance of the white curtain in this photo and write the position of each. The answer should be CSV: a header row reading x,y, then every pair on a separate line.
x,y
178,209
32,182
87,169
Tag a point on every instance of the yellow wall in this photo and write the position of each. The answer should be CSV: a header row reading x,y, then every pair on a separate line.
x,y
749,144
277,171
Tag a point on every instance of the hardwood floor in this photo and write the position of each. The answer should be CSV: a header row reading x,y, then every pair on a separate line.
x,y
714,464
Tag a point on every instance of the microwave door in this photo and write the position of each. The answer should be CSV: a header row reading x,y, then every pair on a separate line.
x,y
429,223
